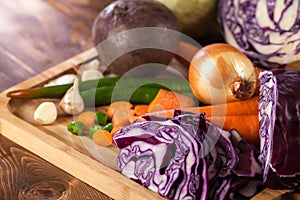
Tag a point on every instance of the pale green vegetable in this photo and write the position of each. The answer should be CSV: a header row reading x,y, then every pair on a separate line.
x,y
197,17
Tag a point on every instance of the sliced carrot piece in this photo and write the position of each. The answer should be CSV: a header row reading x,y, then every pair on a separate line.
x,y
166,100
102,138
115,129
140,110
118,105
87,118
122,117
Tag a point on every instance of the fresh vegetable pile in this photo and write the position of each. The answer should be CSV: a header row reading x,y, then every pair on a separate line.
x,y
226,130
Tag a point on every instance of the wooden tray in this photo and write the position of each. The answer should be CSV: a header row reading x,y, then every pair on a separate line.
x,y
78,156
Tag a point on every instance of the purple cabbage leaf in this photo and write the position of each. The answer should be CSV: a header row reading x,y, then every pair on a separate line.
x,y
266,31
188,157
279,117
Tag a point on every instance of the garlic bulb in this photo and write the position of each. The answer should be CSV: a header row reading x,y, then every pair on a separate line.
x,y
72,102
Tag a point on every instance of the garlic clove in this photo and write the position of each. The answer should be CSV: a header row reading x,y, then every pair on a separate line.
x,y
72,102
64,79
91,74
45,113
94,64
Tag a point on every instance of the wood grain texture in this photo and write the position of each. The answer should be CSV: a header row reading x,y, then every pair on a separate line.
x,y
24,175
35,35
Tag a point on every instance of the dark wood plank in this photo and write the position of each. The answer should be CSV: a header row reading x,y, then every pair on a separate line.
x,y
24,175
40,34
35,35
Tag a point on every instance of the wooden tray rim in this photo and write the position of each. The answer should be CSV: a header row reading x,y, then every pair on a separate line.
x,y
88,170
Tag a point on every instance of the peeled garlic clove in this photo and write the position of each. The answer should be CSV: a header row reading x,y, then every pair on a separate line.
x,y
72,102
45,113
64,79
94,64
91,74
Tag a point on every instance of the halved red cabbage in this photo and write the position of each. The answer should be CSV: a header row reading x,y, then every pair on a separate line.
x,y
188,157
267,31
279,116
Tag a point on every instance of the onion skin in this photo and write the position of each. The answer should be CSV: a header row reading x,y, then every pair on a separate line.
x,y
220,73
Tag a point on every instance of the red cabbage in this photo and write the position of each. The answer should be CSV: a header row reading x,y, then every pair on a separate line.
x,y
188,157
279,116
267,31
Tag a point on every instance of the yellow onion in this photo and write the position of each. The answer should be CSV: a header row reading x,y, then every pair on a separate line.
x,y
221,73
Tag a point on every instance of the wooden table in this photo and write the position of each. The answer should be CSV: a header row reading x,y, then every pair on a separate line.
x,y
35,35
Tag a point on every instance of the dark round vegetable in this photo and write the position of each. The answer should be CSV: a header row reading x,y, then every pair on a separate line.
x,y
130,33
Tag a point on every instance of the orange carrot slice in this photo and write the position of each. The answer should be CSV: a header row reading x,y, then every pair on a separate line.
x,y
102,138
87,118
140,110
118,105
166,100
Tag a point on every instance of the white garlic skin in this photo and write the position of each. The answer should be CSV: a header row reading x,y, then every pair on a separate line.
x,y
45,113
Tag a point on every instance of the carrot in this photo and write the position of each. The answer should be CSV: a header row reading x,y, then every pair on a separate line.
x,y
87,118
240,115
122,117
115,129
165,100
102,138
118,105
245,107
246,125
140,110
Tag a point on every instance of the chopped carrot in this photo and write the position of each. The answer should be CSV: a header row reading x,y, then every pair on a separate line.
x,y
87,118
140,110
122,117
166,100
245,107
118,105
102,138
246,125
133,118
115,129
